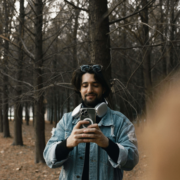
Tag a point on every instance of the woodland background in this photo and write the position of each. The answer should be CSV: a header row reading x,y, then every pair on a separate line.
x,y
43,41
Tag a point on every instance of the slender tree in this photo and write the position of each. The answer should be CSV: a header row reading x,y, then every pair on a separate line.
x,y
6,131
1,117
18,140
99,37
27,113
39,123
146,58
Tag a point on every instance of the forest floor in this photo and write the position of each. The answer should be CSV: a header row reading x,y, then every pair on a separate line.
x,y
17,162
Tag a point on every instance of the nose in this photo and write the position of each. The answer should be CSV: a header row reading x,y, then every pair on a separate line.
x,y
90,89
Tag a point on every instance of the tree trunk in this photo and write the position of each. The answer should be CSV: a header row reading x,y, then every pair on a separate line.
x,y
1,44
123,67
10,114
1,120
146,54
17,125
68,101
58,105
18,107
100,40
33,113
168,65
62,107
75,59
27,113
55,89
51,114
162,40
99,27
6,131
55,108
172,31
39,123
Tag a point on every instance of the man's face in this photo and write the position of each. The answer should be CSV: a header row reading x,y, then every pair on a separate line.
x,y
91,90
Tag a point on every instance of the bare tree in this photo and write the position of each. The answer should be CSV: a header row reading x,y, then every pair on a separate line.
x,y
6,131
18,107
39,123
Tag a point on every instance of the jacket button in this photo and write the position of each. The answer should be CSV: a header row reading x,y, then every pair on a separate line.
x,y
80,158
78,176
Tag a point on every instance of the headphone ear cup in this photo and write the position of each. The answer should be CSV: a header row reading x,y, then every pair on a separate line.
x,y
101,109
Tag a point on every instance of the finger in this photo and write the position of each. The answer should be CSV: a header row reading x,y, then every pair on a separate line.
x,y
89,136
90,130
93,126
78,125
78,131
81,136
89,140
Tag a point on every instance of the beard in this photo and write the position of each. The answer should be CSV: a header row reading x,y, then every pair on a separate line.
x,y
92,103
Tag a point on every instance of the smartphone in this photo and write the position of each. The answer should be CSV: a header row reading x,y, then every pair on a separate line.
x,y
88,114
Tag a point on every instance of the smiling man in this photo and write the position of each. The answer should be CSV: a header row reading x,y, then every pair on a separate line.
x,y
103,149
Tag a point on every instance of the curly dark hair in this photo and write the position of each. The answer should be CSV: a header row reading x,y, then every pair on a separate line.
x,y
99,77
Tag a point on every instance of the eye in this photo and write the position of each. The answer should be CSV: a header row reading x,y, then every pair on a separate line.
x,y
96,85
84,85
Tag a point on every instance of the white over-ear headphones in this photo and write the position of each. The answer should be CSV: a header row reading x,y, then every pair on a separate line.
x,y
101,110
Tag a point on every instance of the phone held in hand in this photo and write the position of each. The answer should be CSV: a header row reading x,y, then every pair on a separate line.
x,y
88,114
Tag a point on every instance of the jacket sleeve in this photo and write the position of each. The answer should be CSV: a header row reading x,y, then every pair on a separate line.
x,y
127,143
58,135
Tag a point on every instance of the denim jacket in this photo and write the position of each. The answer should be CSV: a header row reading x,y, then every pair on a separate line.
x,y
113,125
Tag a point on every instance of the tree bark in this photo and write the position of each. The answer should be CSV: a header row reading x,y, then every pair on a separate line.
x,y
51,114
1,120
100,40
168,4
27,113
18,140
17,125
162,40
39,123
62,107
33,112
55,108
146,54
58,105
123,67
1,107
68,101
1,44
99,28
75,59
172,38
6,131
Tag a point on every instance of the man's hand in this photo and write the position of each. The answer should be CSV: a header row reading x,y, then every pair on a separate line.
x,y
76,135
93,134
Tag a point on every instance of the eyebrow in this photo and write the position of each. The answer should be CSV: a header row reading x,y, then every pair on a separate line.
x,y
92,82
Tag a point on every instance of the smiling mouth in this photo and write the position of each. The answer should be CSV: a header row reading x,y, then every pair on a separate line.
x,y
90,95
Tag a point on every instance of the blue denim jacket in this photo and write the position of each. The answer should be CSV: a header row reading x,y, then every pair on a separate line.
x,y
115,126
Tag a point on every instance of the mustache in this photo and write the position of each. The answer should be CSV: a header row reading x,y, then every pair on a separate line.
x,y
90,94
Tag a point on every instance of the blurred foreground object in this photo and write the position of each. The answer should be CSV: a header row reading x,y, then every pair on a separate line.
x,y
162,132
